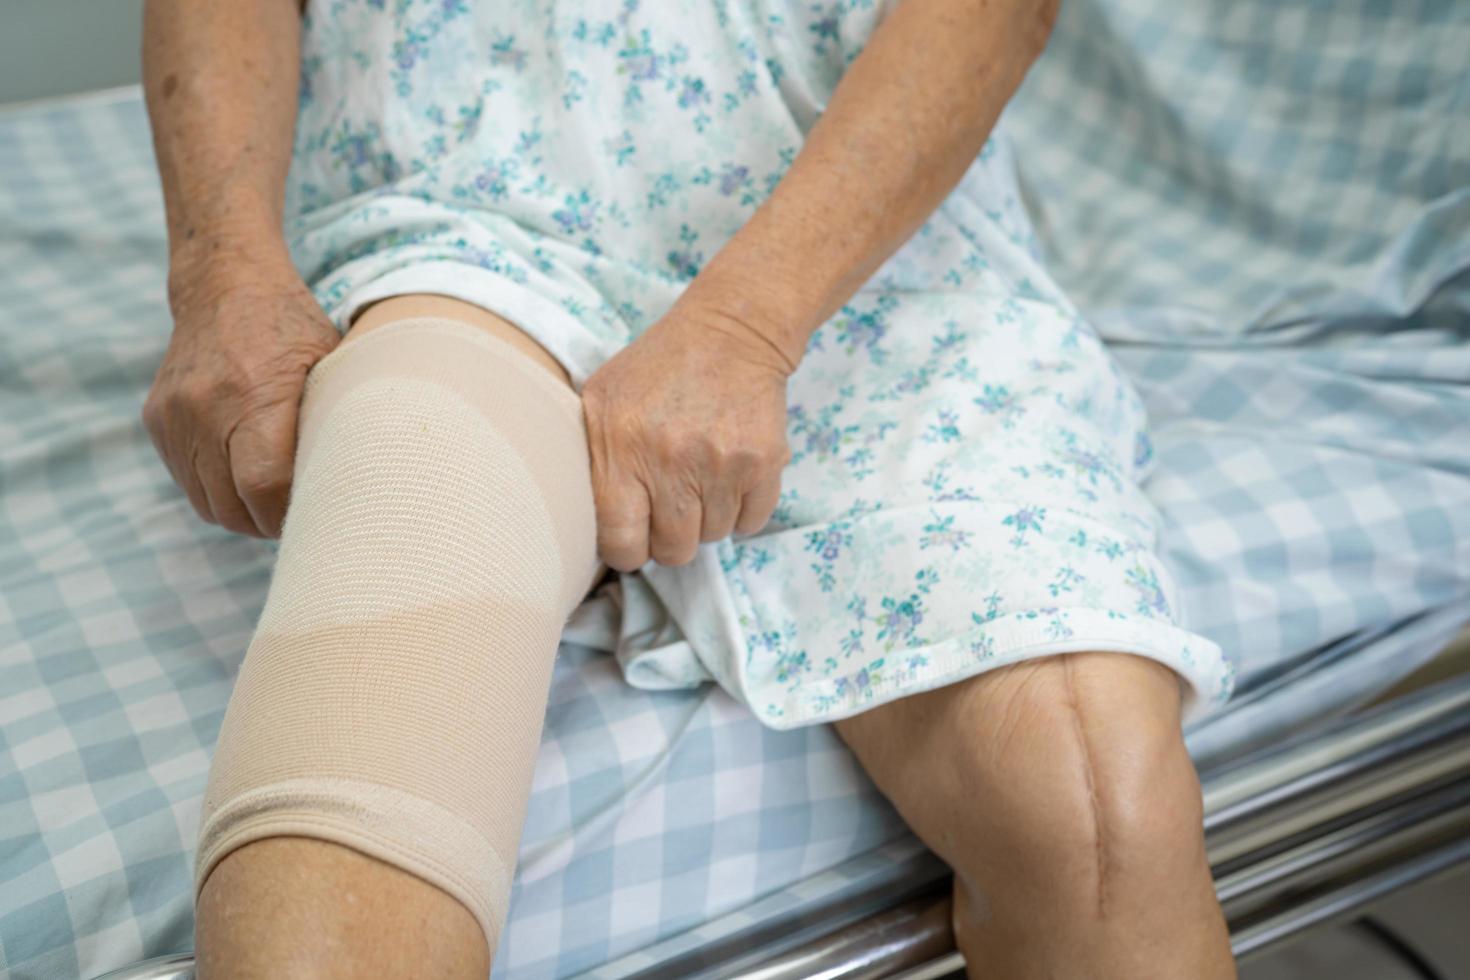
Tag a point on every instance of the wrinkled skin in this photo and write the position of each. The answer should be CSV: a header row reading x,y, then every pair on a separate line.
x,y
222,408
687,432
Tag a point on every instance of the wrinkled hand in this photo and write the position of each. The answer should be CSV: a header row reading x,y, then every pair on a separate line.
x,y
222,409
687,432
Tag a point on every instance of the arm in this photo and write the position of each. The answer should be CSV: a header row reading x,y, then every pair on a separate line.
x,y
678,463
906,121
220,81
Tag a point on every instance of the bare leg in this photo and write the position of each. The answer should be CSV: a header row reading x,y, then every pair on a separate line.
x,y
300,907
1060,791
303,907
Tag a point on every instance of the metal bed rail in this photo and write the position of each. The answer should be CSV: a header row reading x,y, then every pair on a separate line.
x,y
1300,834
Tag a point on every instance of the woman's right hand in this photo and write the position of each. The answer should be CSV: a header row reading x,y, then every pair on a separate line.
x,y
222,409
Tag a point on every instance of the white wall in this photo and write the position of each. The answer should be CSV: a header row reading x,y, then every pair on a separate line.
x,y
51,47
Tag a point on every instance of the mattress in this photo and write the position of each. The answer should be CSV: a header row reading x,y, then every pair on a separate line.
x,y
1311,424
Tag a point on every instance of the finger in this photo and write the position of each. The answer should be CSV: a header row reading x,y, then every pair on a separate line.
x,y
262,451
619,497
622,521
182,474
213,468
186,478
758,505
677,516
721,508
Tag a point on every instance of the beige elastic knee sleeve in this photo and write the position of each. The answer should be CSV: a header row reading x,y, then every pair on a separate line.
x,y
440,531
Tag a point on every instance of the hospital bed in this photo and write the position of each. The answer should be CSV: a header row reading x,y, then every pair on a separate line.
x,y
1306,375
1299,836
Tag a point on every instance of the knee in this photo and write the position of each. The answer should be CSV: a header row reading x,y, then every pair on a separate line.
x,y
1083,778
439,531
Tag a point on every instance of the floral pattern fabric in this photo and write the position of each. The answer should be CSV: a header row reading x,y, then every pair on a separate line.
x,y
963,491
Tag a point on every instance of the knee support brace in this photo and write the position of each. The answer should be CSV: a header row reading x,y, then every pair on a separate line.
x,y
441,529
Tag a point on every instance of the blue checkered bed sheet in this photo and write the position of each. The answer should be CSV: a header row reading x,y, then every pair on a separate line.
x,y
1311,410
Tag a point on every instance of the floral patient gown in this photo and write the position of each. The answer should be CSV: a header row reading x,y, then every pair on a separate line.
x,y
963,491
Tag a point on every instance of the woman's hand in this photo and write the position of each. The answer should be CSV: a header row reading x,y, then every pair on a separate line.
x,y
222,409
687,432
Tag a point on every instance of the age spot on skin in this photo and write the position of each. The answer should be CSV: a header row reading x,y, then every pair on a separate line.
x,y
169,84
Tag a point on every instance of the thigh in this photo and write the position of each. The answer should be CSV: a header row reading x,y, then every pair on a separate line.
x,y
409,305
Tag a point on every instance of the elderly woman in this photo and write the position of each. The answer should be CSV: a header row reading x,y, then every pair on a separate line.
x,y
735,296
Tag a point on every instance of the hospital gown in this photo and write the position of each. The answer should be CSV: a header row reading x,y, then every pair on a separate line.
x,y
963,490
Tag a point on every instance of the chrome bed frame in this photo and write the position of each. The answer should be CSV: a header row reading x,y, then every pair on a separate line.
x,y
1299,835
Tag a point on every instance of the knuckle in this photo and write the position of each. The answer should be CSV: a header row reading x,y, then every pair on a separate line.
x,y
672,443
618,539
151,413
738,458
622,545
617,514
194,394
261,478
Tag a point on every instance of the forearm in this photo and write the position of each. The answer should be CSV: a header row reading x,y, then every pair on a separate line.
x,y
905,122
220,80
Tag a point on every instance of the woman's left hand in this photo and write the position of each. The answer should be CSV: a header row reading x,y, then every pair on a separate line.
x,y
687,432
